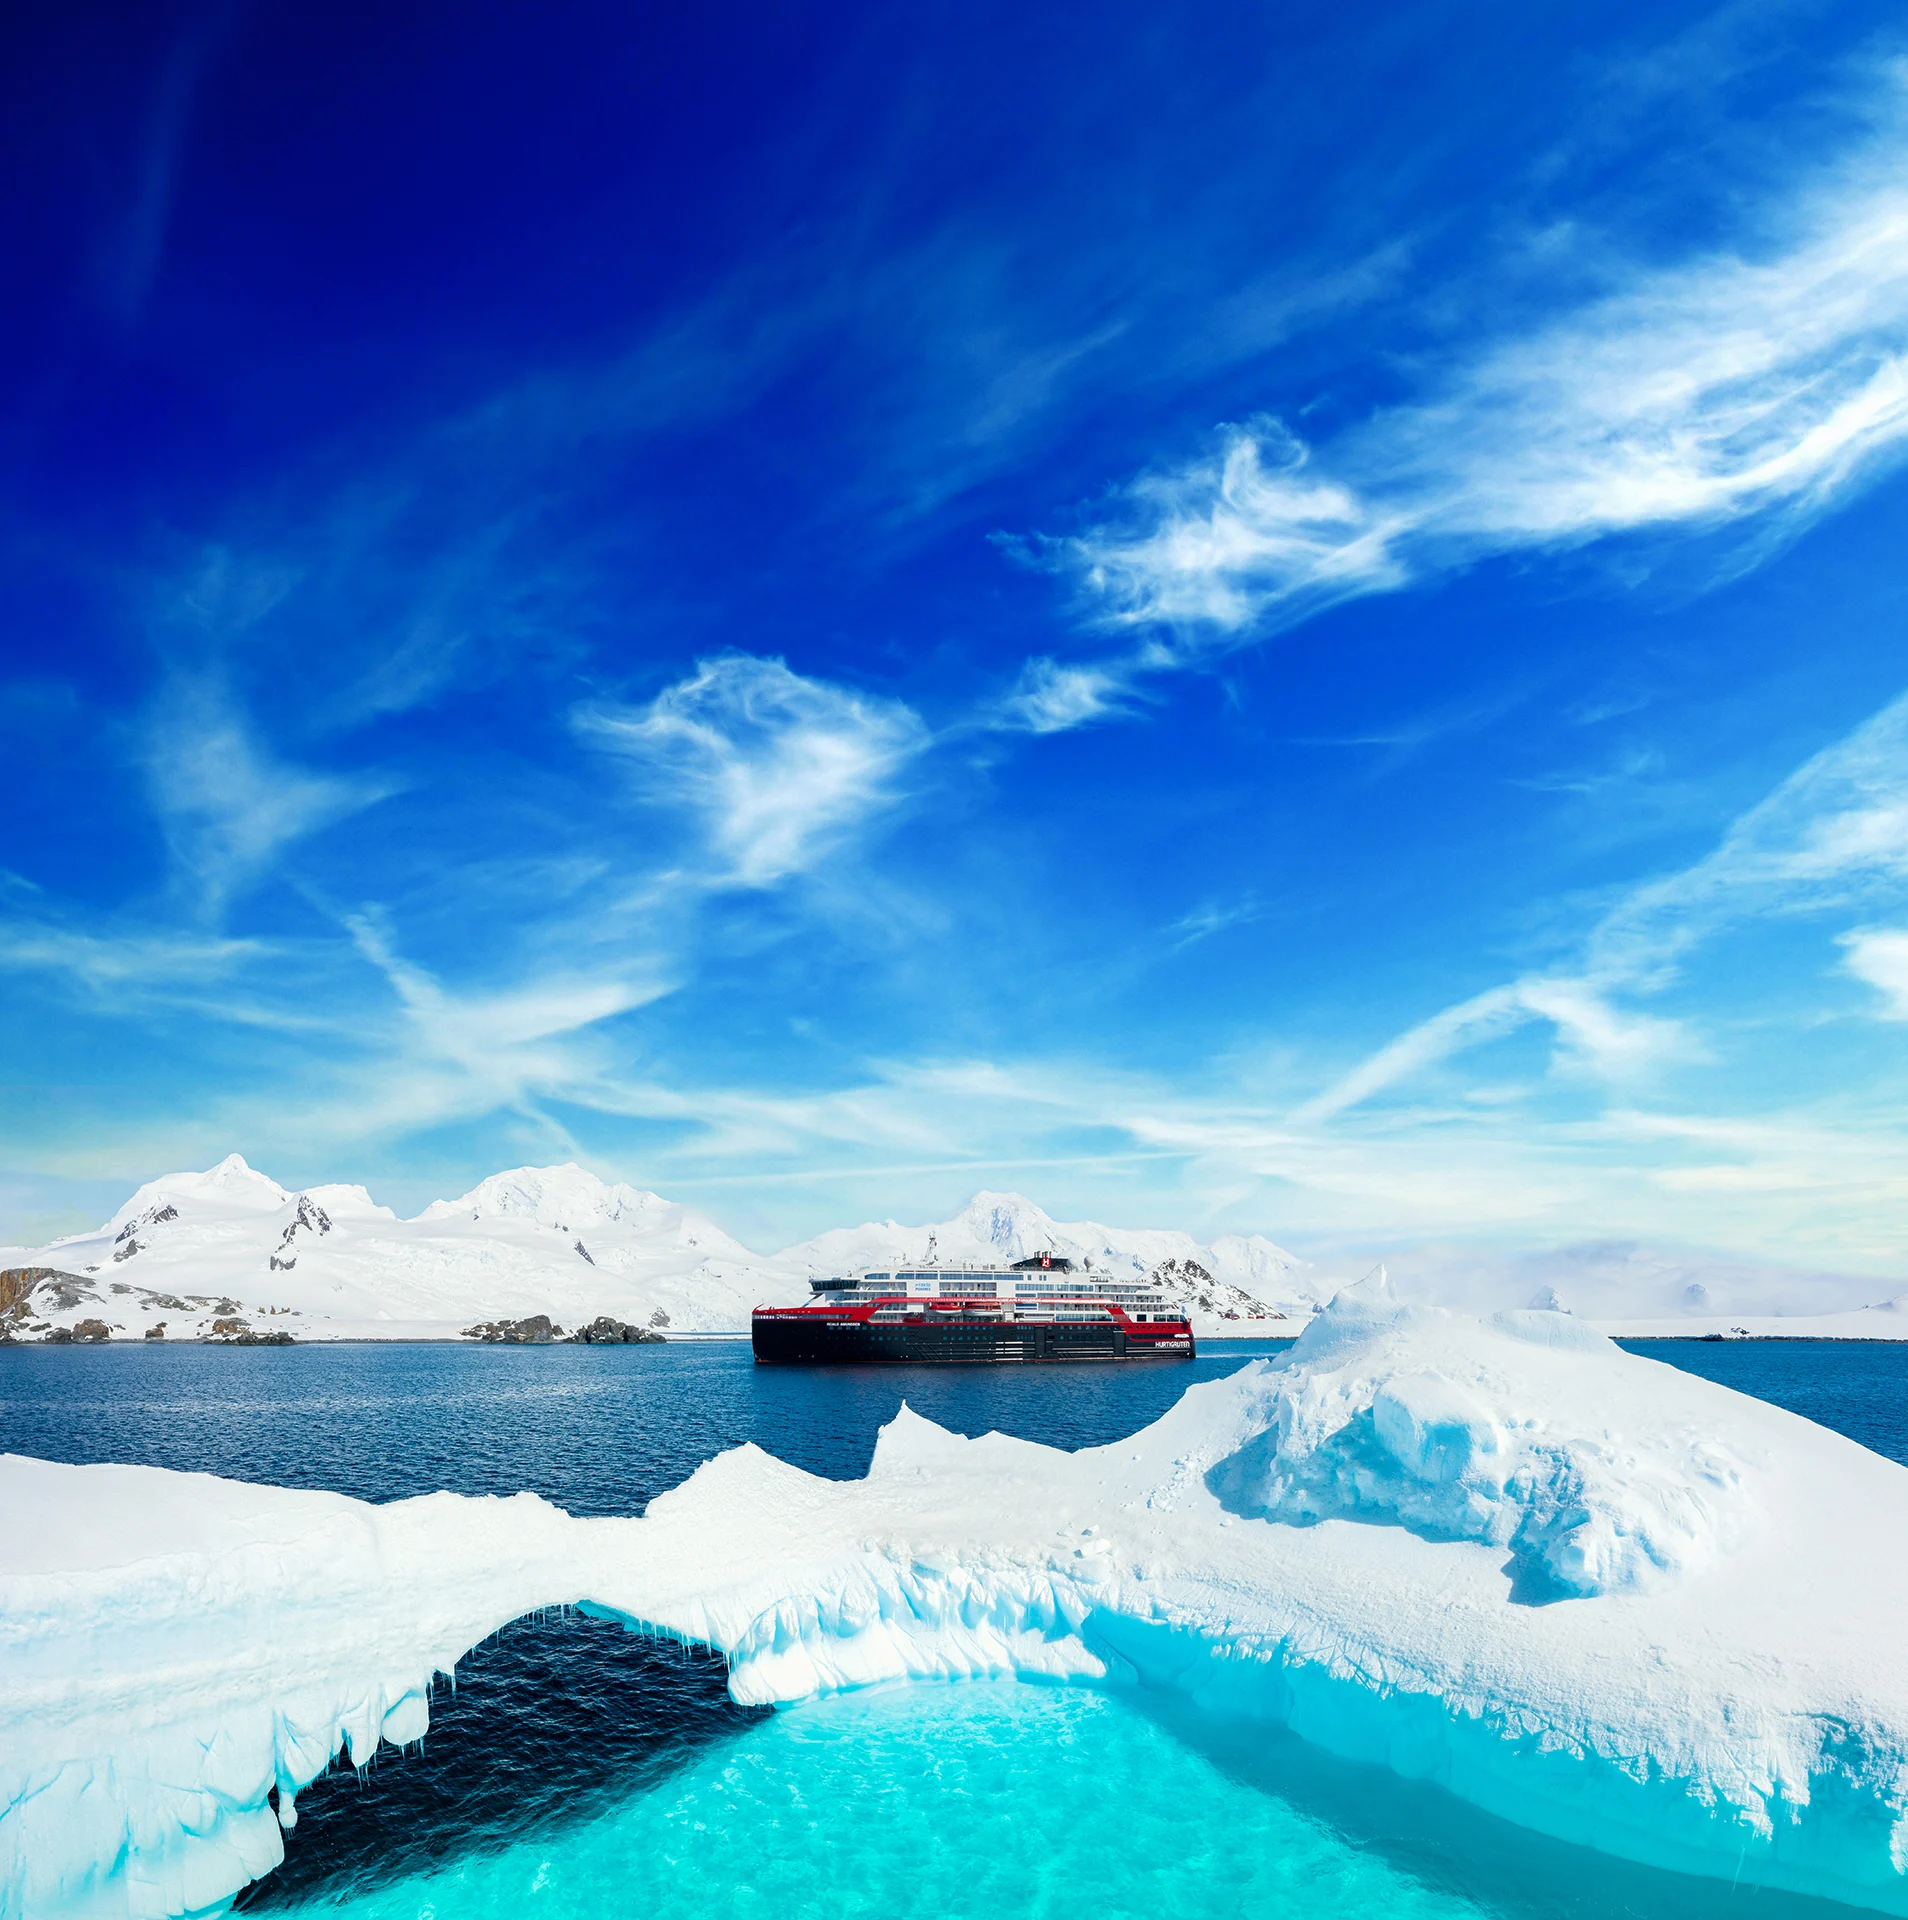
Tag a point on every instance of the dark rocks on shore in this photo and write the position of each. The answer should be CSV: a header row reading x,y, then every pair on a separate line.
x,y
537,1331
540,1331
603,1331
239,1333
86,1330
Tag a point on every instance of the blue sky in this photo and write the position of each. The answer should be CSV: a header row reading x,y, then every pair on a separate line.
x,y
1261,619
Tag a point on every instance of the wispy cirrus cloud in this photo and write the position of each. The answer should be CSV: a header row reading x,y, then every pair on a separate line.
x,y
1054,697
112,963
228,805
1833,835
1747,389
778,768
1211,917
459,1054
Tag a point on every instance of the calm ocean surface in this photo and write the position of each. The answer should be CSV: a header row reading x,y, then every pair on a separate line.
x,y
579,1771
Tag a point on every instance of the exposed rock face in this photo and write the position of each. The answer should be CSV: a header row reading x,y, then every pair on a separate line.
x,y
28,1295
17,1282
1193,1284
603,1331
313,1218
91,1330
1187,1270
536,1331
128,1242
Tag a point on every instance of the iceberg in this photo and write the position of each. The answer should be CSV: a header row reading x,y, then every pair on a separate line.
x,y
1613,1602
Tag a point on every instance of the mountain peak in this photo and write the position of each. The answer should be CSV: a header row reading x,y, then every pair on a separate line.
x,y
1008,1225
552,1196
231,1182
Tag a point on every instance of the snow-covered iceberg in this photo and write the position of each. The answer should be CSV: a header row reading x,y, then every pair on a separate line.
x,y
1611,1601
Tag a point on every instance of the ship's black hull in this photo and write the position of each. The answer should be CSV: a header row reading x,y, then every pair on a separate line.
x,y
810,1341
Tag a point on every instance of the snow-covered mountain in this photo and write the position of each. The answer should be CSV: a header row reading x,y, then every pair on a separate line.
x,y
192,1250
1230,1281
230,1253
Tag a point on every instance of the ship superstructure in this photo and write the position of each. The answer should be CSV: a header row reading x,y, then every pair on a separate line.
x,y
1043,1308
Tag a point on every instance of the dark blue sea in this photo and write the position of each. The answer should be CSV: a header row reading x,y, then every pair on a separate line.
x,y
578,1770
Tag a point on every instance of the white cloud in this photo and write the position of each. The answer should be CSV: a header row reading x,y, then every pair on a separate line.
x,y
461,1055
1211,917
1596,1037
1752,386
1224,540
1486,1016
780,768
473,1029
113,963
1052,698
1879,956
1834,832
1592,1036
227,805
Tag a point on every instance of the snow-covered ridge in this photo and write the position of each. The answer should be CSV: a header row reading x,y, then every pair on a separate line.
x,y
1710,1676
191,1250
230,1253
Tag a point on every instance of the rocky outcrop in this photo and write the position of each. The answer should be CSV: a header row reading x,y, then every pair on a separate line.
x,y
128,1243
239,1333
312,1218
605,1332
17,1282
29,1293
1189,1281
86,1330
537,1331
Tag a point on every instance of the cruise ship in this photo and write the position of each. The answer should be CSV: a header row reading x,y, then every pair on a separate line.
x,y
1037,1309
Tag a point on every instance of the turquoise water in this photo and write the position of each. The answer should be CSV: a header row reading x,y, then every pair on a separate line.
x,y
981,1801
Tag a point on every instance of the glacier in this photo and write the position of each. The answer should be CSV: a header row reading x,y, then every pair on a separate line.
x,y
1613,1602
